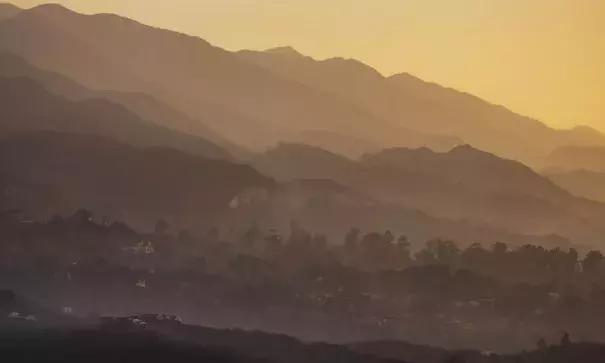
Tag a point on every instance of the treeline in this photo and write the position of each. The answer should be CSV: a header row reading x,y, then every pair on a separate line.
x,y
369,286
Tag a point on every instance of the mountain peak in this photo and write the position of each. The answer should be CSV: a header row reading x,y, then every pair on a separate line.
x,y
50,7
586,130
287,51
467,150
50,11
8,10
464,148
8,6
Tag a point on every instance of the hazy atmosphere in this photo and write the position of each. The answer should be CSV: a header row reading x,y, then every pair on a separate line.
x,y
302,181
541,58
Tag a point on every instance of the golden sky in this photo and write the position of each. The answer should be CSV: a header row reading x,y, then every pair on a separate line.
x,y
541,58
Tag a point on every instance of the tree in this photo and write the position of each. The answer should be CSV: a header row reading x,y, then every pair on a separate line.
x,y
161,227
475,257
402,252
82,216
56,220
352,239
500,248
251,238
592,262
213,235
439,251
565,340
184,236
273,245
376,250
541,344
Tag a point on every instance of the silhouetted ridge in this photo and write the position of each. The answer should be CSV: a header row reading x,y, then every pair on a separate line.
x,y
14,66
302,149
145,106
120,181
352,66
431,112
27,106
575,157
8,10
254,101
463,183
285,51
470,166
53,11
582,183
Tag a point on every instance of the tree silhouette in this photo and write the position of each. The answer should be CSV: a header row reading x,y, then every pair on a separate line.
x,y
592,262
161,227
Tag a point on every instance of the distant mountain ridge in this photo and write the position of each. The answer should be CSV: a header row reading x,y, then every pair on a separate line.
x,y
117,54
150,87
577,158
145,106
462,184
260,98
409,102
27,106
8,10
583,183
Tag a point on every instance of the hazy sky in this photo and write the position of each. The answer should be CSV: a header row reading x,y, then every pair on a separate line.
x,y
542,58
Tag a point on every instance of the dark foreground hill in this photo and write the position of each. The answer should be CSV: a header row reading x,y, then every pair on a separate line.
x,y
131,340
101,347
145,339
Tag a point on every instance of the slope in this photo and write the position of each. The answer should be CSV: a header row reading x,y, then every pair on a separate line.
x,y
574,158
145,106
136,185
583,183
424,107
27,106
119,54
463,184
8,11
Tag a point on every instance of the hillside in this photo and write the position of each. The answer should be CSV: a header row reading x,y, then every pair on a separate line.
x,y
277,95
577,158
230,94
583,183
120,54
424,107
145,106
8,11
59,173
122,340
462,184
27,106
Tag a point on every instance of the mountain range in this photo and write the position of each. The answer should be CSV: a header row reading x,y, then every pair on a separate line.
x,y
27,106
462,184
409,102
274,95
577,158
346,145
143,105
46,173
